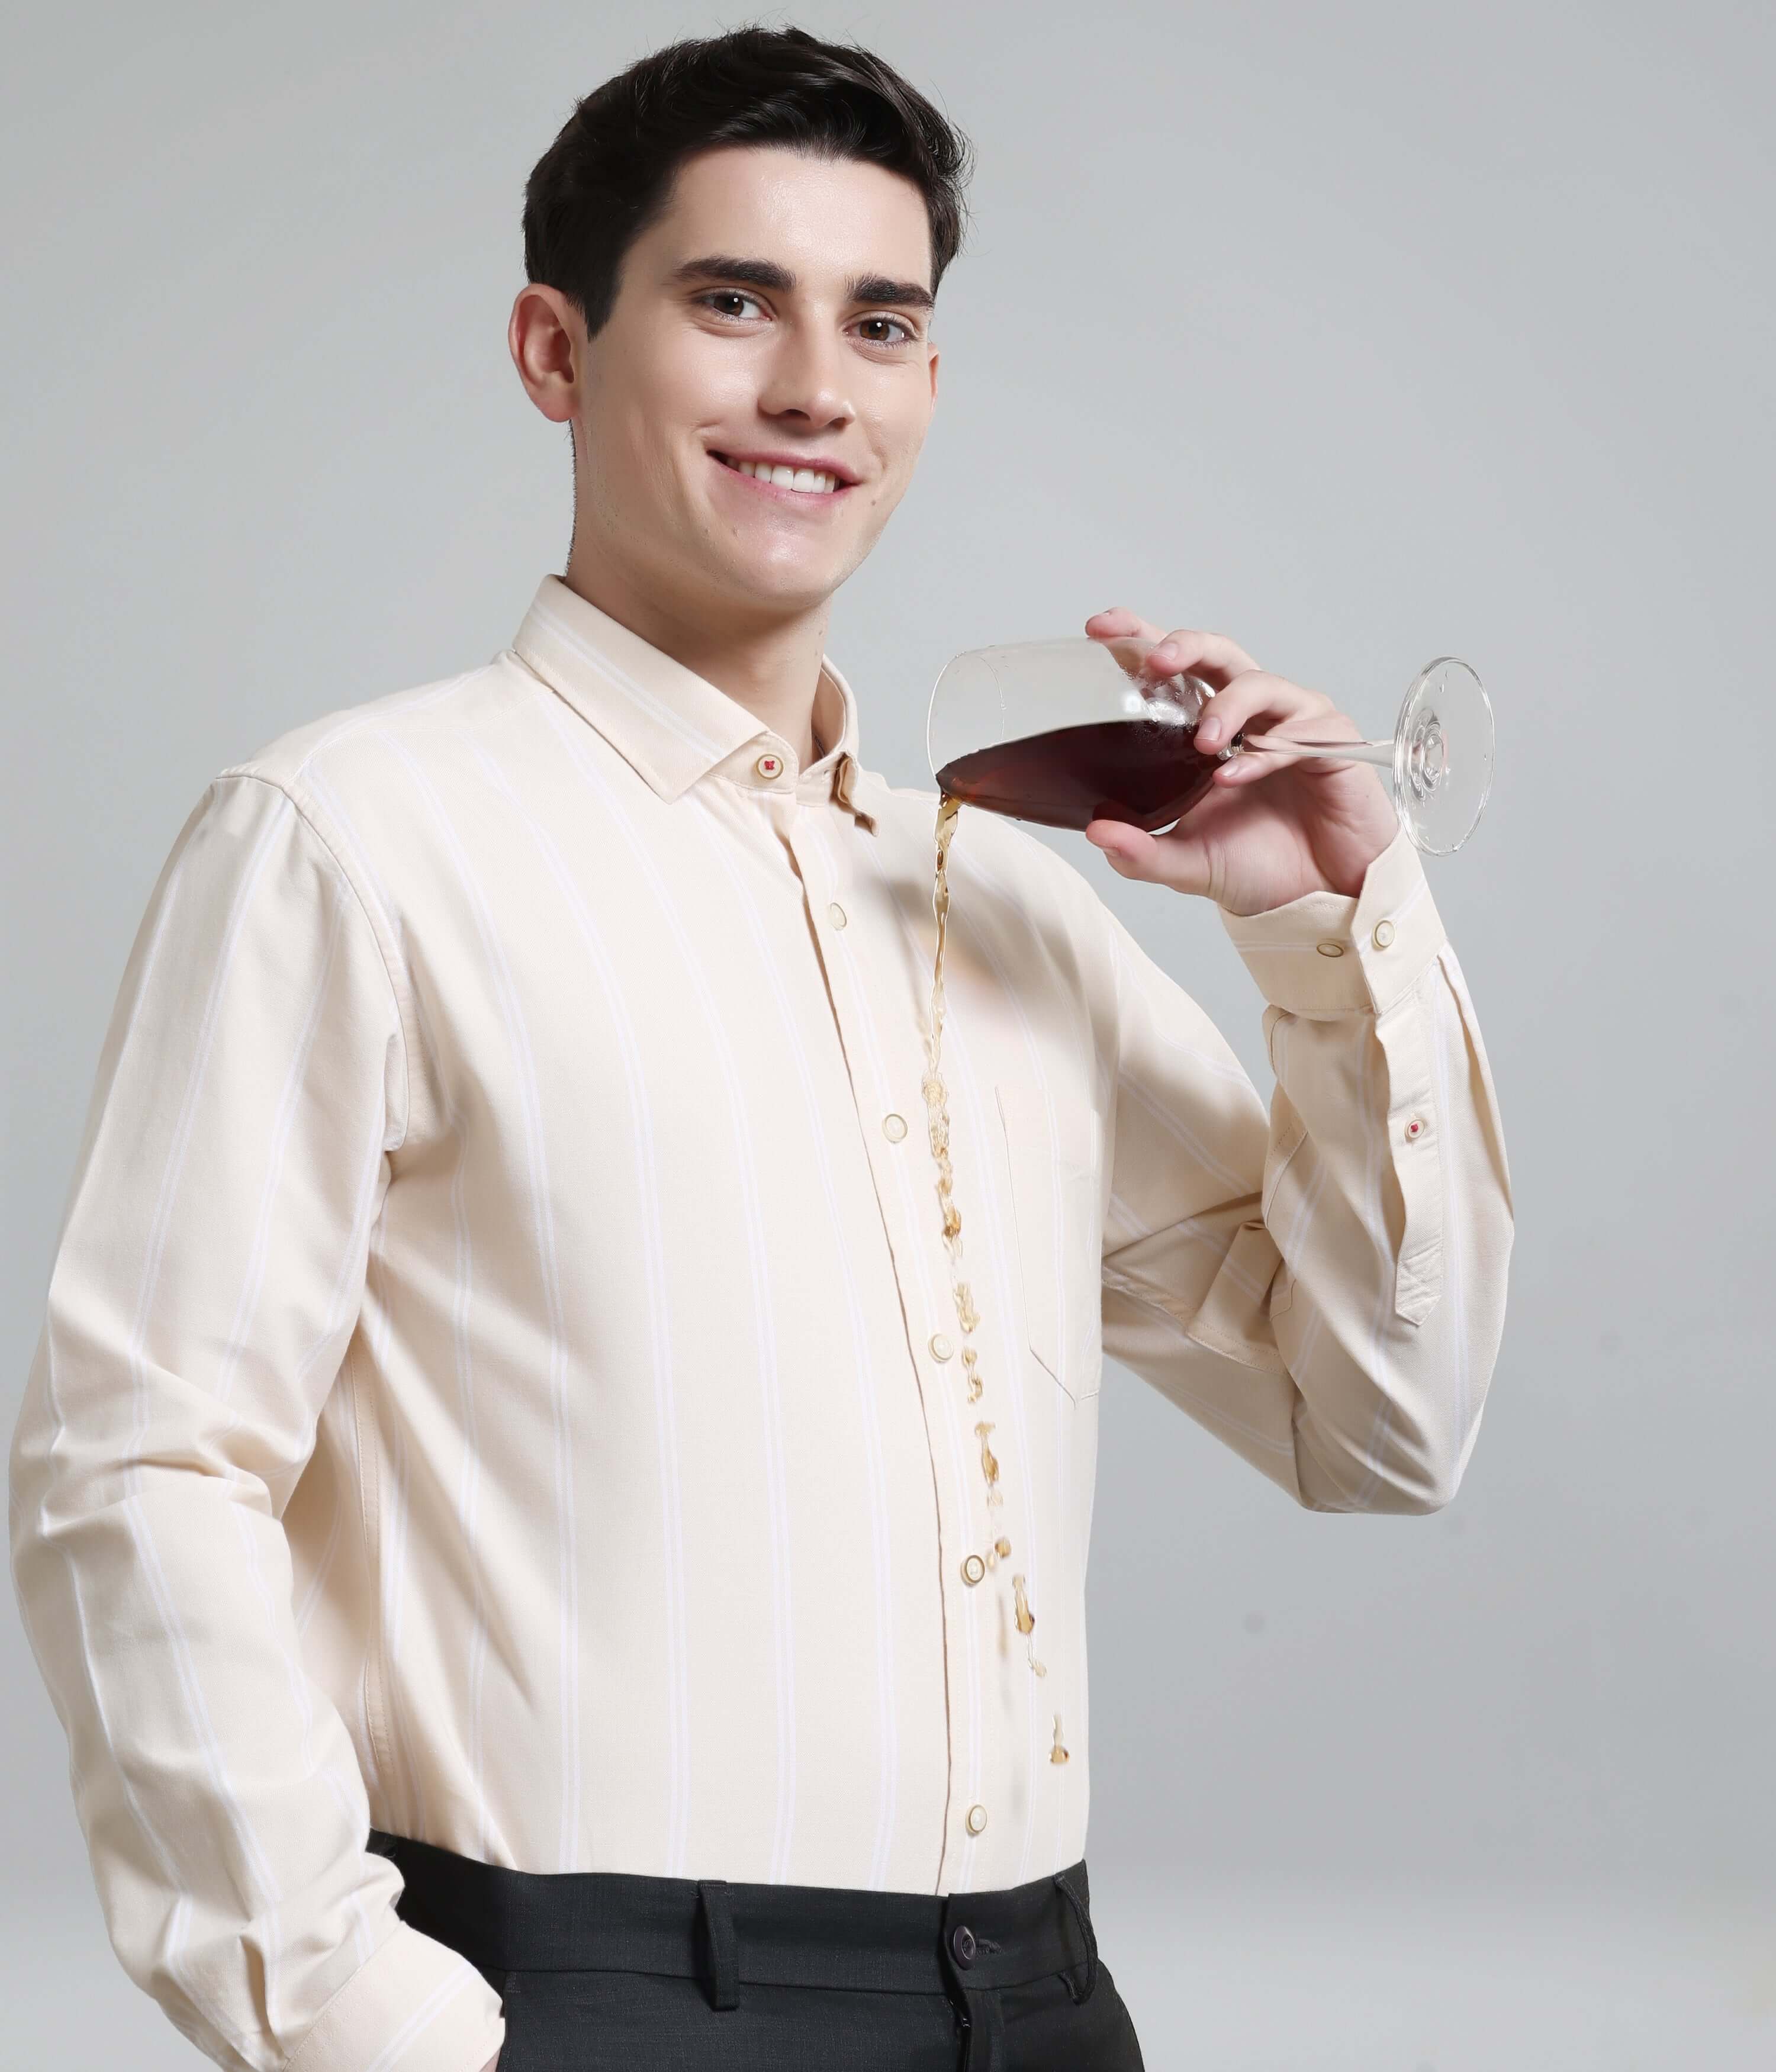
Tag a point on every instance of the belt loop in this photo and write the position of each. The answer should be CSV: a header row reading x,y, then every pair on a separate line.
x,y
1084,1920
724,1958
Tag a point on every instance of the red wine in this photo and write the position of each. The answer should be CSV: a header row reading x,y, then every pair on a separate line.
x,y
1136,770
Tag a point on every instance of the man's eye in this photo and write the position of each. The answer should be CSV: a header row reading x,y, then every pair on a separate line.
x,y
730,303
876,330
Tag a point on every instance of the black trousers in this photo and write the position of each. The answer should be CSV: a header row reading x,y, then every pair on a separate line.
x,y
605,1971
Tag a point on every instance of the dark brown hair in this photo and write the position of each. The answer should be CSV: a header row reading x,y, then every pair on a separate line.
x,y
610,172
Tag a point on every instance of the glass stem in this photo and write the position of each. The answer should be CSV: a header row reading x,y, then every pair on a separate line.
x,y
1380,753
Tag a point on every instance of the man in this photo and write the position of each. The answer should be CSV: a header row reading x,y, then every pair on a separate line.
x,y
498,1504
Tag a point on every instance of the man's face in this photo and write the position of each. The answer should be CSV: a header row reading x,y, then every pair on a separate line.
x,y
775,316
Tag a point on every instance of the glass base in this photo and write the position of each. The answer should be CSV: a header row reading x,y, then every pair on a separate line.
x,y
1443,755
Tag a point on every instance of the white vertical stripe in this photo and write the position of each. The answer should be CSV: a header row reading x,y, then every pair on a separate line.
x,y
1451,1042
1375,1111
543,1231
282,1123
660,1337
469,1484
1294,1246
862,1360
394,1564
759,1266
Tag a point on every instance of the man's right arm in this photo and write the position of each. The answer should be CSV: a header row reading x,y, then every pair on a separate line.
x,y
205,1287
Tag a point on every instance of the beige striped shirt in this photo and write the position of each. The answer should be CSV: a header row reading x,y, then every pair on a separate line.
x,y
499,1377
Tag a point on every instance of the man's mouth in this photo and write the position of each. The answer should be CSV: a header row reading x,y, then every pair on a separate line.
x,y
803,481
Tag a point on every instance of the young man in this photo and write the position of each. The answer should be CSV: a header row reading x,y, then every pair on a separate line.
x,y
508,1502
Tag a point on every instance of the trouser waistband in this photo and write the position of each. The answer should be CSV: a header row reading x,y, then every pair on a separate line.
x,y
730,1935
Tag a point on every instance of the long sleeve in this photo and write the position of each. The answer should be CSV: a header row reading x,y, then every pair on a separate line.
x,y
1323,1289
209,1277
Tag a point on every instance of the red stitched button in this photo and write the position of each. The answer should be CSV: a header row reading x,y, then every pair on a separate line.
x,y
1414,1127
769,766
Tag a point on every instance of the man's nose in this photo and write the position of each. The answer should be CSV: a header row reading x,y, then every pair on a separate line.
x,y
806,379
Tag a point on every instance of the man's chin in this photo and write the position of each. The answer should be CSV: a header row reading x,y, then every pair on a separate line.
x,y
781,591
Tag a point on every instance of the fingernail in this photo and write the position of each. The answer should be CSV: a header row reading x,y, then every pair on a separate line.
x,y
1209,729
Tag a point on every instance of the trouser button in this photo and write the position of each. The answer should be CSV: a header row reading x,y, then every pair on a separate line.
x,y
962,1944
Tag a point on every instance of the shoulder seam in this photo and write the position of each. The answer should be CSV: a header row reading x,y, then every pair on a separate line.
x,y
357,717
237,773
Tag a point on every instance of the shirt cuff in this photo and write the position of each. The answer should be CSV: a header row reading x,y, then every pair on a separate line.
x,y
416,2003
1327,954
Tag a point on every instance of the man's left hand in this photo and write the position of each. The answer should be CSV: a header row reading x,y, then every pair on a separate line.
x,y
1269,827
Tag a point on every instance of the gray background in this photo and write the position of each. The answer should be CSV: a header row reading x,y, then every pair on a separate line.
x,y
1364,334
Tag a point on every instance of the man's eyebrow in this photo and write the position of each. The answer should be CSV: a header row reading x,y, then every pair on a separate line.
x,y
768,273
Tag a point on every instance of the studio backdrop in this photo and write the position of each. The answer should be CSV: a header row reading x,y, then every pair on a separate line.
x,y
1364,335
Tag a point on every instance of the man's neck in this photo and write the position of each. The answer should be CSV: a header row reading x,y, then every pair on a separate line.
x,y
770,666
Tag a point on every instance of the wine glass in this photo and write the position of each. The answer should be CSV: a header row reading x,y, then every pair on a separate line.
x,y
1063,732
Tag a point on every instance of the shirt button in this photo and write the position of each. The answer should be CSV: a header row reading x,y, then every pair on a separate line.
x,y
1330,949
836,915
770,766
1383,935
941,1348
1414,1128
977,1818
893,1127
962,1945
973,1569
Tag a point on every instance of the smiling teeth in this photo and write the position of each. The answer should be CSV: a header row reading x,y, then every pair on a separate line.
x,y
806,479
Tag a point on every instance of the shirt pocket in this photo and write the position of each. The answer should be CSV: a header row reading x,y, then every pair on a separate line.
x,y
1051,1148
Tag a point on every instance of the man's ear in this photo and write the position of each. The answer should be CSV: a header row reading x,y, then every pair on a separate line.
x,y
546,344
934,373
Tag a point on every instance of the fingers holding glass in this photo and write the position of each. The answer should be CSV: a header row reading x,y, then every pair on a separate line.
x,y
1212,657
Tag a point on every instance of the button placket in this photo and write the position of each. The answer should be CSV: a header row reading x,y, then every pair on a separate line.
x,y
882,1080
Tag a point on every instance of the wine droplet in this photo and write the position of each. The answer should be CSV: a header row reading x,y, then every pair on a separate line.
x,y
1026,1618
937,1103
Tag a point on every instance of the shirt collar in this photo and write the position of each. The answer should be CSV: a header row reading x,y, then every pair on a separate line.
x,y
673,725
